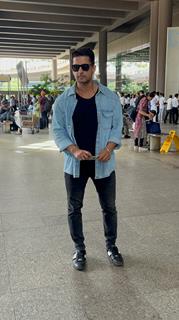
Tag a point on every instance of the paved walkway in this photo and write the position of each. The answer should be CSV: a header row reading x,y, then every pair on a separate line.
x,y
37,281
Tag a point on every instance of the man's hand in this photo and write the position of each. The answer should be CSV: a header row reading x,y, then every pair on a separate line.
x,y
104,155
82,154
79,153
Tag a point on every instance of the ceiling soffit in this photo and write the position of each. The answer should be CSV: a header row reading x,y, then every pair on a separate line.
x,y
40,27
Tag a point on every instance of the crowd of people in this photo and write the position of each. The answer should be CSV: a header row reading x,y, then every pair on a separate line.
x,y
39,108
156,101
150,106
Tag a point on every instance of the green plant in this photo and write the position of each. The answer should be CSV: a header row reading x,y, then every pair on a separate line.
x,y
53,87
129,86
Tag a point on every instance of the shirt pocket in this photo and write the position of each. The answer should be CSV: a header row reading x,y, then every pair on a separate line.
x,y
106,119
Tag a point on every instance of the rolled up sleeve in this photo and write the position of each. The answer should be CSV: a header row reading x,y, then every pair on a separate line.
x,y
117,124
60,133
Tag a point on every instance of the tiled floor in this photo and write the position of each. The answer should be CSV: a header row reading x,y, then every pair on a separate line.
x,y
37,281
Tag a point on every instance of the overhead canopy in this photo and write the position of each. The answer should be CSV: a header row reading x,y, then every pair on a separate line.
x,y
43,28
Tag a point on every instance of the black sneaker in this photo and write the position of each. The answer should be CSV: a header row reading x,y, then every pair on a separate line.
x,y
115,256
79,260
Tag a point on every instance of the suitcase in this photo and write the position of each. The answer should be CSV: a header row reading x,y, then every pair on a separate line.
x,y
43,123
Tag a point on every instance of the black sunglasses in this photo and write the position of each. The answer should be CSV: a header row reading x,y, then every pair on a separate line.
x,y
84,67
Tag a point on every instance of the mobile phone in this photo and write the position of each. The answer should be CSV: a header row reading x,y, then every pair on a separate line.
x,y
93,157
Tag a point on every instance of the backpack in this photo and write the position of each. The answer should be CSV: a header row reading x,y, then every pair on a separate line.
x,y
48,105
133,114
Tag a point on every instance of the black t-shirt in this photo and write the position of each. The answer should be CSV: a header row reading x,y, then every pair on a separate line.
x,y
85,129
85,123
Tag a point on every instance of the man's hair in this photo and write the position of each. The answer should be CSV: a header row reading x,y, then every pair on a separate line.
x,y
44,90
152,94
84,52
141,91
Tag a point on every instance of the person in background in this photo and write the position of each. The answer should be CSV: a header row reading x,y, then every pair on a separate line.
x,y
44,114
161,107
157,98
12,103
31,107
33,100
153,104
87,127
18,121
140,125
169,109
34,108
175,104
139,96
126,125
127,101
6,112
122,100
132,101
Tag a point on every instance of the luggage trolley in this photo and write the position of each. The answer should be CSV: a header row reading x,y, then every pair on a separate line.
x,y
28,120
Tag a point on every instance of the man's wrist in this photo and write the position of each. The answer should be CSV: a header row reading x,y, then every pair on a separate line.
x,y
110,147
107,148
73,148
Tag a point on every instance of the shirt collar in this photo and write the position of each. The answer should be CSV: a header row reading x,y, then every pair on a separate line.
x,y
72,90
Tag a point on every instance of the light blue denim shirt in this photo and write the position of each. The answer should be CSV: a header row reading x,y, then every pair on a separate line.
x,y
109,115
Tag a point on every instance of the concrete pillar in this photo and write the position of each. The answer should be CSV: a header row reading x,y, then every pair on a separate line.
x,y
164,21
71,62
54,69
103,57
153,44
118,73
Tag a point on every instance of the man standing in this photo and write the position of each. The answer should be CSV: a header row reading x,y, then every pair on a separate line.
x,y
87,125
175,108
44,115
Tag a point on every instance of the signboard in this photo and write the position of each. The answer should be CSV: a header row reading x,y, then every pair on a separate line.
x,y
4,78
